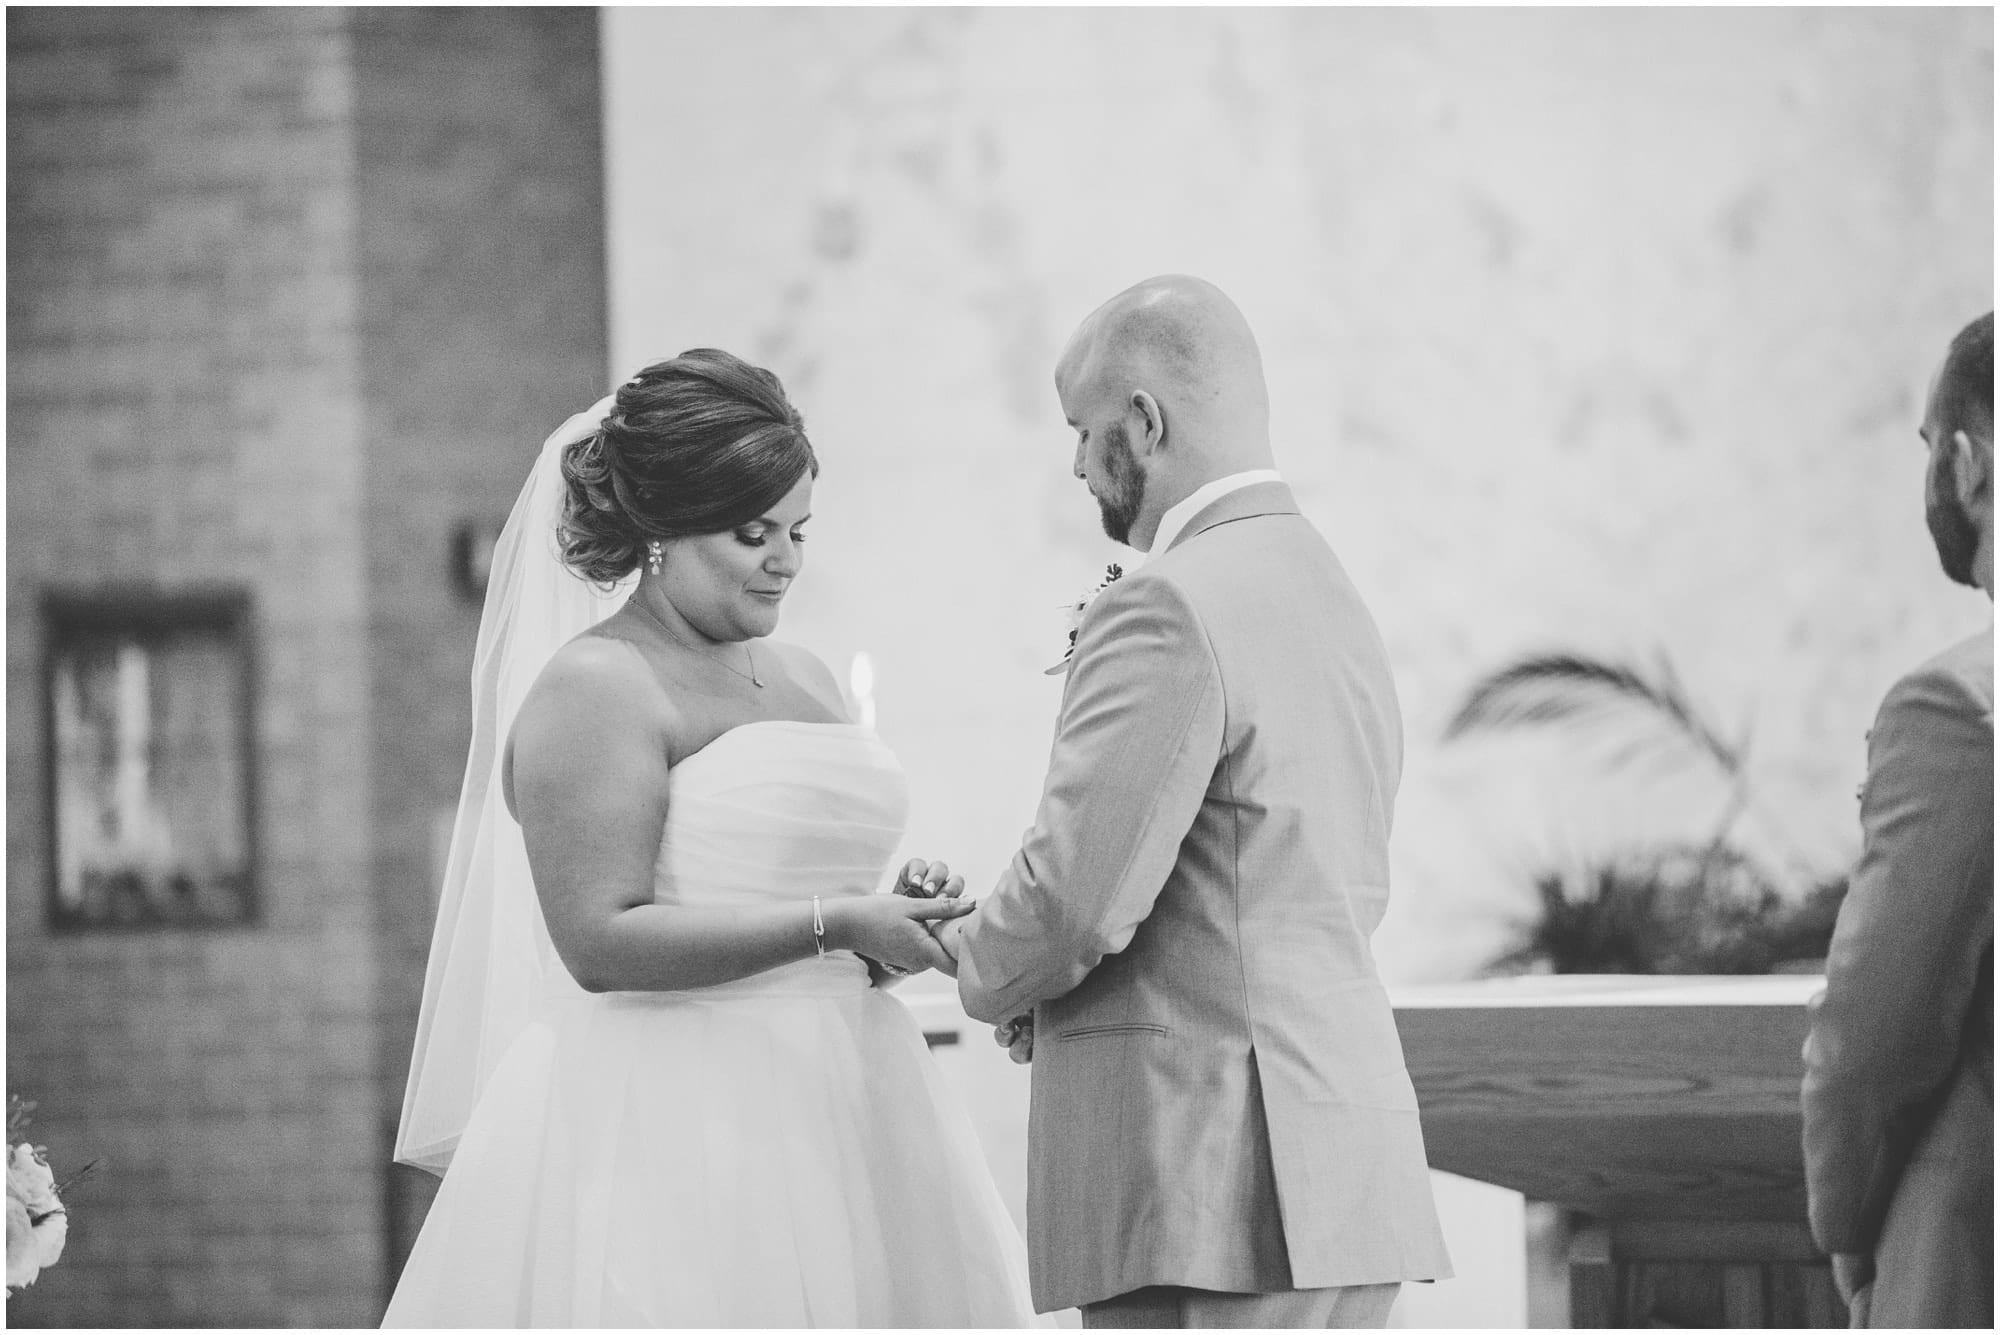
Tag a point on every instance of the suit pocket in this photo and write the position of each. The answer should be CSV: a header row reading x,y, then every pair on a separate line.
x,y
1103,1030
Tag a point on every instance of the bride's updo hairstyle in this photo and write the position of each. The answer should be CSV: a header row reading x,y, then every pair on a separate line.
x,y
699,444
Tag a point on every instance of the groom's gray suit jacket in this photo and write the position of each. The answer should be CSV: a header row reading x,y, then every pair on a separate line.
x,y
1220,1099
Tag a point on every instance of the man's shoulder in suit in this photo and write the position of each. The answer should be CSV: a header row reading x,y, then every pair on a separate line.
x,y
1958,680
1280,534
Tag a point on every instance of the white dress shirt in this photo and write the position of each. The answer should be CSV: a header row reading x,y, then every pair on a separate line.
x,y
1176,519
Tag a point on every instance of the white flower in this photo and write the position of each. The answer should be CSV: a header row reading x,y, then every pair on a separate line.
x,y
31,1181
50,1235
22,1265
37,1227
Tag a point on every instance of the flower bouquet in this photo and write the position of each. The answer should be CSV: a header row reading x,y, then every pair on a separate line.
x,y
37,1224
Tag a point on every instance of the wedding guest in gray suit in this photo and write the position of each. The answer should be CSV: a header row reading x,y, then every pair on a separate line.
x,y
1222,1131
1899,1065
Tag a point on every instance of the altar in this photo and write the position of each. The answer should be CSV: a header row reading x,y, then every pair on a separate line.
x,y
1661,1113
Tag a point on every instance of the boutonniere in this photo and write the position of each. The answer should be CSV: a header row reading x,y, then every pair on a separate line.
x,y
1076,610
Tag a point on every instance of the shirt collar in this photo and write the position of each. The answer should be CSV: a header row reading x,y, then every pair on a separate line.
x,y
1176,519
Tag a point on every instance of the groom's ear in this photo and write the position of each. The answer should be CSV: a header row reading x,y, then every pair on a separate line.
x,y
1154,423
1971,468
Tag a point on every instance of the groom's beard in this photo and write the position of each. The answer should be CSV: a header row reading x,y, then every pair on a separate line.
x,y
1125,485
1952,529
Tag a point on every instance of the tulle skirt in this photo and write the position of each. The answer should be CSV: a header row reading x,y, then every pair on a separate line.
x,y
755,1157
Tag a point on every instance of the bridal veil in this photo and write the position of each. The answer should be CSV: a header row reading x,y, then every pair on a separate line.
x,y
491,959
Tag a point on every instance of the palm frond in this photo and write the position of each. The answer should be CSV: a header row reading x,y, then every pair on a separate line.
x,y
1566,688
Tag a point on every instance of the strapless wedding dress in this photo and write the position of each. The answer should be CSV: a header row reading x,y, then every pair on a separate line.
x,y
775,1151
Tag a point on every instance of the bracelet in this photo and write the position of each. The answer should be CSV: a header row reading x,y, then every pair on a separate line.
x,y
819,928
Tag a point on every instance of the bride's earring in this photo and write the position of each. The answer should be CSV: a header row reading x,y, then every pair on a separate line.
x,y
655,554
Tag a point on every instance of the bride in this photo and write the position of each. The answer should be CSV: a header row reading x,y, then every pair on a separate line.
x,y
656,1064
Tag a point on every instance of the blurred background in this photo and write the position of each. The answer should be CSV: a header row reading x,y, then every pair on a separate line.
x,y
1597,341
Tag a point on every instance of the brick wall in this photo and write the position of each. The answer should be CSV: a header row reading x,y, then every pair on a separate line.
x,y
182,406
262,331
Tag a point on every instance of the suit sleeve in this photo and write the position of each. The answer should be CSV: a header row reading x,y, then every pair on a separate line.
x,y
1906,954
1136,747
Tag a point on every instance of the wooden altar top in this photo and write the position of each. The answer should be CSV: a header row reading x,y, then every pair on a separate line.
x,y
1622,1096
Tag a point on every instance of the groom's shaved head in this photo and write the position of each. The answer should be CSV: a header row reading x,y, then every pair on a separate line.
x,y
1164,387
1179,338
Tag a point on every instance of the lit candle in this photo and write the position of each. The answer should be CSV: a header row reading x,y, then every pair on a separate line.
x,y
861,685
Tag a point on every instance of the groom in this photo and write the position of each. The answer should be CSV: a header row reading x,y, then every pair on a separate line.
x,y
1222,1132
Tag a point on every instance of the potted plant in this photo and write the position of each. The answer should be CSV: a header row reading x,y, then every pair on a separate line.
x,y
1666,907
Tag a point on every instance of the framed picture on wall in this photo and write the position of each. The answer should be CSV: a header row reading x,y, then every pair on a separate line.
x,y
150,709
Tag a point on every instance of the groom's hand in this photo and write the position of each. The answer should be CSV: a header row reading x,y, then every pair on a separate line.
x,y
1018,1037
947,934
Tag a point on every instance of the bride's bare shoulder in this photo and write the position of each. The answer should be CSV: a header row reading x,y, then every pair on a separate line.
x,y
595,700
596,668
598,683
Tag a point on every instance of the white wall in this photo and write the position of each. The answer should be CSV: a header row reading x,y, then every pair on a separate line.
x,y
1592,329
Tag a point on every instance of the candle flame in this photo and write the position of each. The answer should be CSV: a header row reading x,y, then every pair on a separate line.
x,y
861,684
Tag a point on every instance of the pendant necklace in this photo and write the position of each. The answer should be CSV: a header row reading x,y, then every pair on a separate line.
x,y
750,676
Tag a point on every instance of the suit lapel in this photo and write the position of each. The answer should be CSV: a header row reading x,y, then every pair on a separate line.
x,y
1262,498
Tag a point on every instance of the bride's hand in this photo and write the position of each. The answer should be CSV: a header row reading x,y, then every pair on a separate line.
x,y
892,929
929,880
